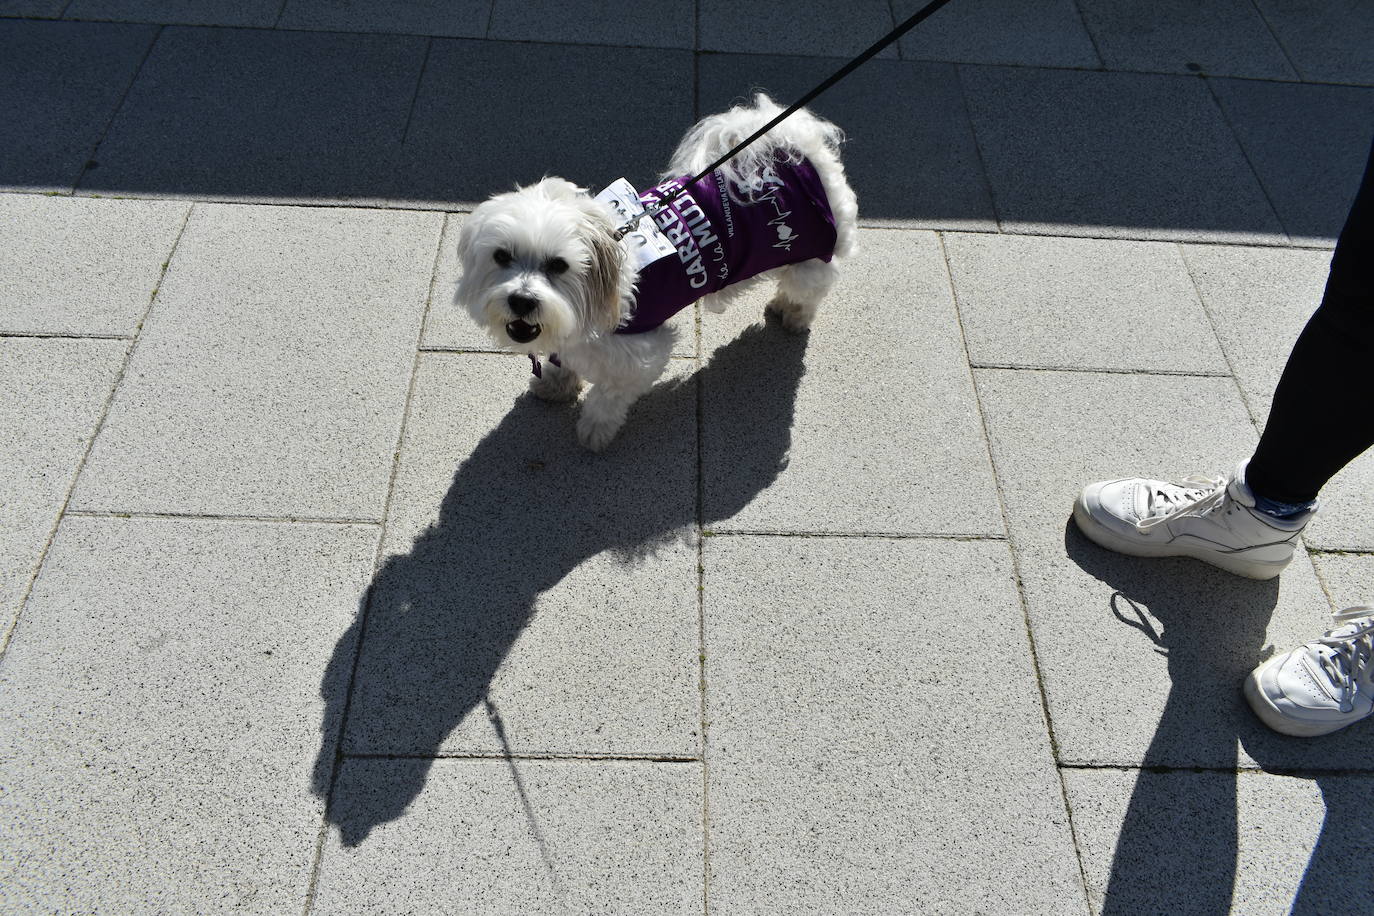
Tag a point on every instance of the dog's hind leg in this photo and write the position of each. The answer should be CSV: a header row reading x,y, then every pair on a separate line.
x,y
801,287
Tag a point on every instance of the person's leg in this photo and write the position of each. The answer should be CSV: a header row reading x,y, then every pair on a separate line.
x,y
1249,523
1313,431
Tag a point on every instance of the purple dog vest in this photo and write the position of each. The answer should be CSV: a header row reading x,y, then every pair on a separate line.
x,y
783,218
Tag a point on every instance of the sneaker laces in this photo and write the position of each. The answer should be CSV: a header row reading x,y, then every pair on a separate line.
x,y
1346,654
1194,495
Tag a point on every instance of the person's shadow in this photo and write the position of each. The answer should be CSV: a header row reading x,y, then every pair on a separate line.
x,y
1178,848
525,509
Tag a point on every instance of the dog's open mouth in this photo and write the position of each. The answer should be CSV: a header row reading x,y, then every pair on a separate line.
x,y
522,331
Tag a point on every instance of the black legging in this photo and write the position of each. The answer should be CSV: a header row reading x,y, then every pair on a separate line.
x,y
1320,420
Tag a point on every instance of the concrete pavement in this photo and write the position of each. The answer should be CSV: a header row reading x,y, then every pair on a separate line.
x,y
308,607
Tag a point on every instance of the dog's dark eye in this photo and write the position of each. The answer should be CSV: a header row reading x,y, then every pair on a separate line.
x,y
556,266
502,256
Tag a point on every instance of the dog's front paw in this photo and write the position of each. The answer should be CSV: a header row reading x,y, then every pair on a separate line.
x,y
596,432
557,384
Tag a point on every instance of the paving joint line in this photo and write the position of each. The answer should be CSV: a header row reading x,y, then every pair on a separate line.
x,y
702,707
1250,409
1018,584
852,535
458,208
12,625
491,20
1101,68
365,610
1247,771
1274,34
94,149
415,96
1245,154
1092,38
57,335
217,517
540,756
1096,370
696,37
982,161
1283,243
1130,72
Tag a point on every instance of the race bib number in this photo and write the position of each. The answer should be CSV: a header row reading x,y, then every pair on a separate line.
x,y
645,243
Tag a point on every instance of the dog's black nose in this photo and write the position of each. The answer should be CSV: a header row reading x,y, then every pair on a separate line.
x,y
521,305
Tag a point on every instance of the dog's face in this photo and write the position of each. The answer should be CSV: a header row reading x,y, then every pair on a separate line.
x,y
541,266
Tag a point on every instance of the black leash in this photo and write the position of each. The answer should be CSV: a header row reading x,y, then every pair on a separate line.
x,y
916,19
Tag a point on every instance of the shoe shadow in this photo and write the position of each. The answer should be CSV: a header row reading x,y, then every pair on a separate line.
x,y
1177,849
527,507
1339,877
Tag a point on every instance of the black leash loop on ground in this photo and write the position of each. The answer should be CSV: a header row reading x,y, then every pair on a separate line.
x,y
910,23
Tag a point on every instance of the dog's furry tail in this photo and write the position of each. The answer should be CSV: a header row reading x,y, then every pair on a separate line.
x,y
802,134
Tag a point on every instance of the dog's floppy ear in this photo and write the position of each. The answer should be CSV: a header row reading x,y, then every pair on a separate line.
x,y
605,281
469,276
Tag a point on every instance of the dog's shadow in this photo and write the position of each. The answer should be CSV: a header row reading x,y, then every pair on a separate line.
x,y
525,509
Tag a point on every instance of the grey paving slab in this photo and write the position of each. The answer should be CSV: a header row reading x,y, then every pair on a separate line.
x,y
463,143
82,266
1328,40
853,764
878,425
909,154
448,326
463,19
1194,843
520,836
1308,144
60,82
1079,304
665,24
1108,154
34,9
825,28
55,392
162,710
1044,34
1349,580
1224,37
278,115
537,598
1141,659
1344,522
271,375
253,13
1260,299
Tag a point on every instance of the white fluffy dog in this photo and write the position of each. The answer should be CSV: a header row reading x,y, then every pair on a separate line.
x,y
544,273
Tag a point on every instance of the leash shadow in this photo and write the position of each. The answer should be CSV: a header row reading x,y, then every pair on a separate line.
x,y
438,621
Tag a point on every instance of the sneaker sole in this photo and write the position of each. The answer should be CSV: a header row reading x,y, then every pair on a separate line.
x,y
1270,715
1237,562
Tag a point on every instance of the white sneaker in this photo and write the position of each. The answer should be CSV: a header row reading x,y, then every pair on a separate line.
x,y
1322,686
1209,518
